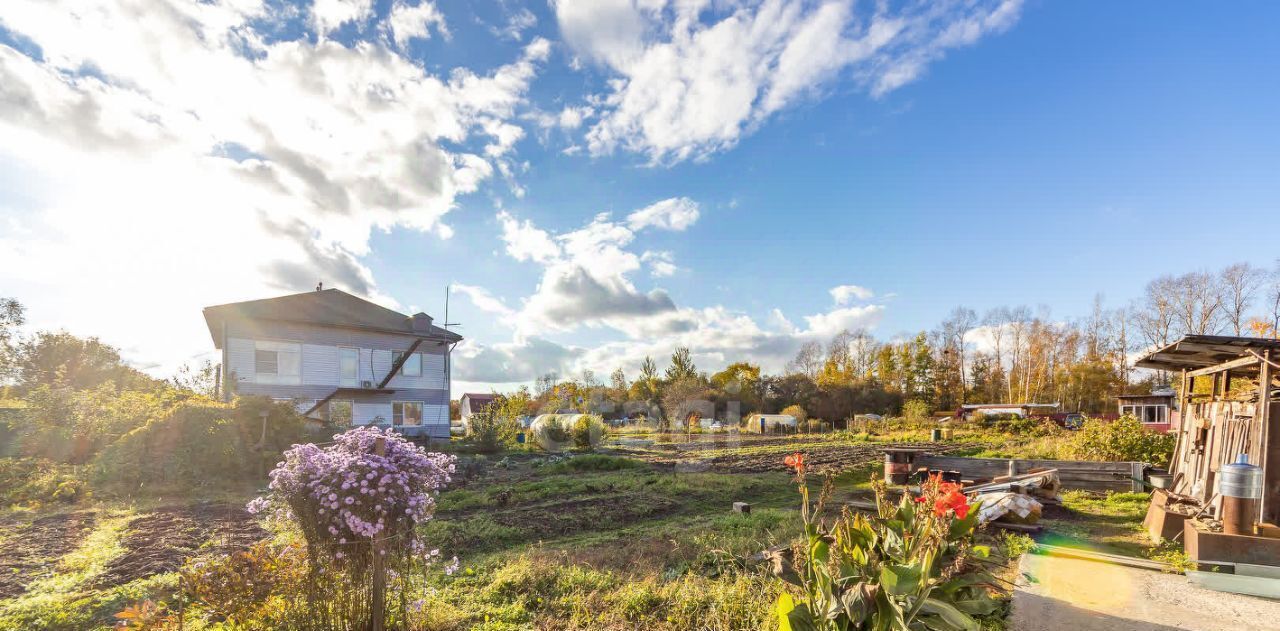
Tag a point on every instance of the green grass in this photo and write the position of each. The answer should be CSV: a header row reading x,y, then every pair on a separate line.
x,y
64,600
589,462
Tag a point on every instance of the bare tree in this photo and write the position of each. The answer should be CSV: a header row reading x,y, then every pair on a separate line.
x,y
1197,303
1240,282
1153,315
1273,298
808,360
955,328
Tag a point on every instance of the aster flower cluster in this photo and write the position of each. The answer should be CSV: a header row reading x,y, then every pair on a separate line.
x,y
345,493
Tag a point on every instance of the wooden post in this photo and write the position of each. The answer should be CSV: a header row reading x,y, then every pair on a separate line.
x,y
1269,451
377,609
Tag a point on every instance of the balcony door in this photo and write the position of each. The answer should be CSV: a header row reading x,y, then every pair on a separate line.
x,y
348,367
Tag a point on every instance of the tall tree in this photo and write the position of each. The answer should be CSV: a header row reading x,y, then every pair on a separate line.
x,y
1197,303
681,365
808,360
1240,283
12,316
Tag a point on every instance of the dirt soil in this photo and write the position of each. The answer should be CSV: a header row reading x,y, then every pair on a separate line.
x,y
557,519
161,540
32,551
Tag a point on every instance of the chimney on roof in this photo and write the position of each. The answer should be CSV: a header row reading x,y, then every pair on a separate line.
x,y
320,286
421,322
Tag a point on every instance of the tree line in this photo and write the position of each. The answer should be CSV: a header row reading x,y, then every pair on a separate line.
x,y
1008,354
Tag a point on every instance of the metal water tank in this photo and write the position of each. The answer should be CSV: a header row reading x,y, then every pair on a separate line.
x,y
1240,485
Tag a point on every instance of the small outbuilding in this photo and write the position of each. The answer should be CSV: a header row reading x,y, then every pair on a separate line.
x,y
771,424
1156,409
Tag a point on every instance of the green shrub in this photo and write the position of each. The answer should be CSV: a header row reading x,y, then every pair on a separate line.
x,y
200,444
1121,440
588,431
915,410
36,481
490,431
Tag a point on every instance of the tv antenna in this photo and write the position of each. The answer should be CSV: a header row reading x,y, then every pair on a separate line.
x,y
446,324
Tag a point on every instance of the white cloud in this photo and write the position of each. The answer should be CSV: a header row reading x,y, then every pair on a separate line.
x,y
676,213
180,149
407,22
661,263
844,294
525,242
484,300
328,15
517,23
691,78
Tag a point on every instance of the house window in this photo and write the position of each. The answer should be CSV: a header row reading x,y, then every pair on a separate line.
x,y
349,366
1148,414
406,413
412,367
340,413
277,362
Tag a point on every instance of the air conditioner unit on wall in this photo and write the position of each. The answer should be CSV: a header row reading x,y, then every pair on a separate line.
x,y
366,384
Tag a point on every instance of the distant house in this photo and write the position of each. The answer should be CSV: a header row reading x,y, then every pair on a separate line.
x,y
472,403
1155,409
339,358
1023,410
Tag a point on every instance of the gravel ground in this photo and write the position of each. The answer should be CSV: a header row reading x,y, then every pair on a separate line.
x,y
1060,593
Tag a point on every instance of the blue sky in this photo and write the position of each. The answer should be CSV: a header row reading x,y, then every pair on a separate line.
x,y
983,154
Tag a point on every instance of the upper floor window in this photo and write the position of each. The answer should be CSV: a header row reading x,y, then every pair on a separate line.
x,y
412,367
277,362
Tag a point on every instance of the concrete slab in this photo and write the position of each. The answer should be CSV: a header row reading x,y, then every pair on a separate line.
x,y
1056,593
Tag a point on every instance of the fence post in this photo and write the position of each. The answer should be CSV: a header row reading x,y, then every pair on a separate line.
x,y
379,568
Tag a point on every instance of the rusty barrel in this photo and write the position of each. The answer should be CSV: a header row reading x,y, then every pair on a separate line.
x,y
1240,484
897,467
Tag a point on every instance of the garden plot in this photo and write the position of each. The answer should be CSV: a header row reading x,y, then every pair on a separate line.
x,y
735,453
32,549
160,541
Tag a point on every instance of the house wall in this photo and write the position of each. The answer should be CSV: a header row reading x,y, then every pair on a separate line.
x,y
320,374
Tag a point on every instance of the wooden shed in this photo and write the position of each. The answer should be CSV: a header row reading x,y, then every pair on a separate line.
x,y
1230,404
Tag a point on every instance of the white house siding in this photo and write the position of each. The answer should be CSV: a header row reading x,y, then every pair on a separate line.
x,y
320,371
320,365
240,359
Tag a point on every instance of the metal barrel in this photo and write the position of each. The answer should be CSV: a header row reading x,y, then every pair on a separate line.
x,y
1240,479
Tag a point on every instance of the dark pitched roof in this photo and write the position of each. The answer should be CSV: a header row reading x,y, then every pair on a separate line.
x,y
329,307
1202,351
479,398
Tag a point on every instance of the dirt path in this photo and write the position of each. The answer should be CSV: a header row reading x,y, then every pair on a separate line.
x,y
1060,593
32,551
161,540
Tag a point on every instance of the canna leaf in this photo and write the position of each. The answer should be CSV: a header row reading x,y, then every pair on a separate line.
x,y
900,580
949,614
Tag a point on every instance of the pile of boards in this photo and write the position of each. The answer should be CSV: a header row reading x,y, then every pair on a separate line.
x,y
1015,502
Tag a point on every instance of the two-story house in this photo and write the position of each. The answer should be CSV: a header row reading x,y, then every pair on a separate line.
x,y
339,358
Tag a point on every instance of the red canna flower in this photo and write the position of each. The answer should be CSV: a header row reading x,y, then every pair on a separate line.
x,y
795,461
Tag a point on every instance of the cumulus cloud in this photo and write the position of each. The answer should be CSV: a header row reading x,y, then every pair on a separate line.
x,y
236,163
661,263
844,294
512,362
408,22
677,213
691,78
484,300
